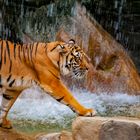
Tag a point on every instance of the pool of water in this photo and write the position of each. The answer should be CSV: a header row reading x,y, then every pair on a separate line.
x,y
34,127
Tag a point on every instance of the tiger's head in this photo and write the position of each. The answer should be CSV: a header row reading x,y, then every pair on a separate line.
x,y
73,60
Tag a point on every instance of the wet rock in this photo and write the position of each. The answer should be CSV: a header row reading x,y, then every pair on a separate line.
x,y
64,135
51,136
87,128
99,128
12,135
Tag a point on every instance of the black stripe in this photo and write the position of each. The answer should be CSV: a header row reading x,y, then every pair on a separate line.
x,y
10,67
19,49
22,80
8,50
1,54
24,47
21,45
31,49
71,108
9,77
71,59
28,51
53,49
7,97
58,63
4,56
72,54
60,99
67,60
54,75
36,48
11,83
15,50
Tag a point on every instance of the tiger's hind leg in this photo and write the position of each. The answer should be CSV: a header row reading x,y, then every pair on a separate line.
x,y
8,99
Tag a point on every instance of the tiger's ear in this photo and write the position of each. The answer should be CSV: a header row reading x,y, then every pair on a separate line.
x,y
71,41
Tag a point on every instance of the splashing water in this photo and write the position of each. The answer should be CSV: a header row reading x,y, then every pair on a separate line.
x,y
35,106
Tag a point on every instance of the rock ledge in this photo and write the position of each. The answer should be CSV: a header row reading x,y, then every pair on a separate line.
x,y
100,128
87,128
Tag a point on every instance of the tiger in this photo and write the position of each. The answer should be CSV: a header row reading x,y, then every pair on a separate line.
x,y
25,65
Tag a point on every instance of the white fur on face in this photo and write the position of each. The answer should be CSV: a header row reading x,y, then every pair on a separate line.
x,y
64,70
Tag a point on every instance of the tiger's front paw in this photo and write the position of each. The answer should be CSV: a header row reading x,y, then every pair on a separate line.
x,y
6,124
89,113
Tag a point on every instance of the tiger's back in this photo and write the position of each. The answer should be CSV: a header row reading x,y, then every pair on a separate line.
x,y
15,71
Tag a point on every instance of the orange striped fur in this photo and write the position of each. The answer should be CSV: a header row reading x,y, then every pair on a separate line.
x,y
22,66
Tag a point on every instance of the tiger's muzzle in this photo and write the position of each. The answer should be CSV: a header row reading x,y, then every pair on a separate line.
x,y
80,73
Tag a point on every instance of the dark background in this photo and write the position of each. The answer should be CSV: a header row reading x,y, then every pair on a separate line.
x,y
121,18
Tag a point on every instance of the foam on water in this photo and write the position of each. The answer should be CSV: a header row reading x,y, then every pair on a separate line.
x,y
38,106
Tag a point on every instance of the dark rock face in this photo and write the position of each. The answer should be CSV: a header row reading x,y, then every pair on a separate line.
x,y
121,18
39,20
